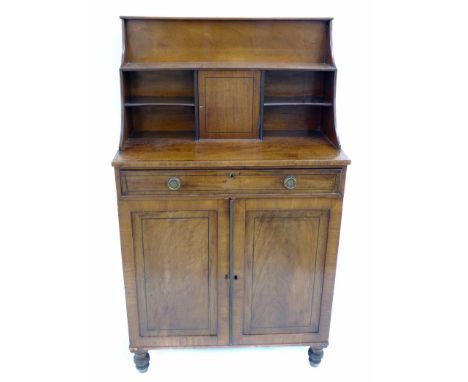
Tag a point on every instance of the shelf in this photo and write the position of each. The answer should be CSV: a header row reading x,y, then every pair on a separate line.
x,y
291,133
159,101
271,152
296,101
193,65
138,138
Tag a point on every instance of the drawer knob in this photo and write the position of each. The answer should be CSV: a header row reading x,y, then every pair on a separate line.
x,y
173,183
290,182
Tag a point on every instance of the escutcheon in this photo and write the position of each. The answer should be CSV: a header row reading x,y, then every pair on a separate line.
x,y
290,182
173,183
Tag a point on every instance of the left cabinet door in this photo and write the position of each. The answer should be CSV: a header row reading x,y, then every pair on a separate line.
x,y
175,257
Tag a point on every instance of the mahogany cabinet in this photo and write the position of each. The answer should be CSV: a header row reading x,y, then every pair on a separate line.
x,y
230,182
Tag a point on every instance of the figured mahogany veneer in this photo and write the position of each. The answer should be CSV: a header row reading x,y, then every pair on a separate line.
x,y
230,181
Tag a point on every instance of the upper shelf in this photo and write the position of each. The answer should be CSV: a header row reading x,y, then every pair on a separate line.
x,y
188,65
296,101
159,101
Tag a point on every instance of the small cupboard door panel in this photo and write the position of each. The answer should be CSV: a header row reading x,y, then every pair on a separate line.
x,y
229,104
280,254
179,262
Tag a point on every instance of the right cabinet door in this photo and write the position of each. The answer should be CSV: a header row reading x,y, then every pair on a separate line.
x,y
284,260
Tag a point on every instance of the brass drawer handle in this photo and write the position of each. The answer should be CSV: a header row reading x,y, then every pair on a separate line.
x,y
173,183
290,182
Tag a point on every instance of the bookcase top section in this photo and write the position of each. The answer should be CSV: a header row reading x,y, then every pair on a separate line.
x,y
173,43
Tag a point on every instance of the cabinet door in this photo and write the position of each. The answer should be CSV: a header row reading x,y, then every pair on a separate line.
x,y
176,254
284,266
229,104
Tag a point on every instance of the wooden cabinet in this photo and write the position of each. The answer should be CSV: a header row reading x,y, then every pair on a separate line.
x,y
230,182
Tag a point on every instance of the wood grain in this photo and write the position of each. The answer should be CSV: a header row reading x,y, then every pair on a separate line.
x,y
175,256
177,277
314,181
229,104
161,119
297,101
248,41
159,101
271,152
165,83
232,65
291,119
251,289
284,257
293,83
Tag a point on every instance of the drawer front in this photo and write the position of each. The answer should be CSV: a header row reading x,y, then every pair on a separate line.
x,y
320,181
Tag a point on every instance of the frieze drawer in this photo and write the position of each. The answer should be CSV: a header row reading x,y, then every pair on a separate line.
x,y
316,181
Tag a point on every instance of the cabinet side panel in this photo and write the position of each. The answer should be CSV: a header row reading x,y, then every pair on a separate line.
x,y
328,117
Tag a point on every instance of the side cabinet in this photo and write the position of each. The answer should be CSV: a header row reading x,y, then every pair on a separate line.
x,y
284,255
176,254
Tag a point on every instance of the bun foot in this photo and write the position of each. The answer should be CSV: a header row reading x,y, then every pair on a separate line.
x,y
141,359
315,356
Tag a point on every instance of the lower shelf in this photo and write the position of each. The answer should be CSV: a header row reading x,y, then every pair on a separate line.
x,y
138,138
296,101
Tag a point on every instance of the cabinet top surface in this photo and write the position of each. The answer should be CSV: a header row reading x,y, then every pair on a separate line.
x,y
227,18
271,152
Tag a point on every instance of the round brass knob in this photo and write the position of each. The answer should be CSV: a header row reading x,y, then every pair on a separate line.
x,y
173,183
290,182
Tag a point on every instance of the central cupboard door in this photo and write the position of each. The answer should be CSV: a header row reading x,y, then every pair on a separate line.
x,y
229,103
178,294
281,251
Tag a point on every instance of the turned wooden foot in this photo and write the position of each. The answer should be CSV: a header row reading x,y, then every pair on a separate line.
x,y
141,359
315,356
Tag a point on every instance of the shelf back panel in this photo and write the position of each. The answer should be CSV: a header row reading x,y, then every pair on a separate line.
x,y
241,41
292,119
162,119
169,83
291,83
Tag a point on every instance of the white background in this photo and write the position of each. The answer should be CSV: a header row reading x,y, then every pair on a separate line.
x,y
400,309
